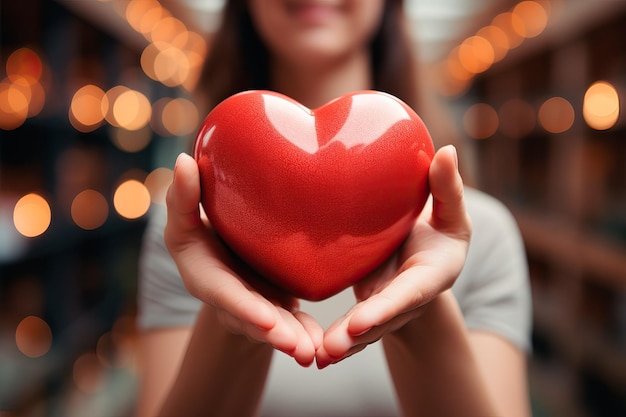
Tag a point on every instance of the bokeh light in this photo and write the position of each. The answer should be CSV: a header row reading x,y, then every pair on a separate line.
x,y
131,110
88,373
150,18
534,17
131,199
33,337
131,140
491,43
157,183
86,108
513,26
136,10
601,106
89,209
171,66
24,62
21,92
498,40
13,106
180,117
32,215
480,121
476,54
556,115
174,55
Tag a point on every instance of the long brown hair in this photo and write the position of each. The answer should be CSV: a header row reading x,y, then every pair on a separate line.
x,y
239,60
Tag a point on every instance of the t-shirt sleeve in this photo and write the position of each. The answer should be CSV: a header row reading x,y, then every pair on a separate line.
x,y
494,289
163,300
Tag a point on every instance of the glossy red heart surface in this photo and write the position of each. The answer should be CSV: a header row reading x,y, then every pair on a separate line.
x,y
313,200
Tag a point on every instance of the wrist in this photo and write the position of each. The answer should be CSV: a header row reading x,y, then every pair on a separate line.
x,y
230,342
440,320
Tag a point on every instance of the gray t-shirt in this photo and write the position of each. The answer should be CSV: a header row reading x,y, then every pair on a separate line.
x,y
493,292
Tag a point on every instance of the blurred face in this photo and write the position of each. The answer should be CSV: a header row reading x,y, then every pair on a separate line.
x,y
315,31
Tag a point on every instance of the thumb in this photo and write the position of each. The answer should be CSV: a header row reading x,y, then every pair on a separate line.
x,y
183,196
446,186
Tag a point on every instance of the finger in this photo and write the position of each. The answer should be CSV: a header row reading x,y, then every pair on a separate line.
x,y
304,353
323,359
219,287
338,346
183,196
446,186
411,289
312,327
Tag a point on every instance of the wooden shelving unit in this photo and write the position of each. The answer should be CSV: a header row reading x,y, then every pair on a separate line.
x,y
568,194
78,281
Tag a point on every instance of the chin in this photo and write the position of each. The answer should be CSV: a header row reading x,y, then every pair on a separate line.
x,y
317,48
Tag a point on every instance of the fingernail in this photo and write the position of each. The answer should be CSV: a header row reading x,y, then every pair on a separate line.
x,y
176,164
361,333
456,157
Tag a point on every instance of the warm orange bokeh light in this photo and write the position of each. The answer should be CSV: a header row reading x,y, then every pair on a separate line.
x,y
88,373
180,117
24,62
35,93
151,17
33,337
108,103
32,215
131,199
172,66
601,106
480,121
13,106
148,56
534,17
498,39
476,54
167,30
131,140
131,110
174,55
86,108
556,115
513,26
157,183
126,108
194,43
89,210
135,11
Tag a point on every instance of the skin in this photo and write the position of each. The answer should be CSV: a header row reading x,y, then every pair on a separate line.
x,y
221,363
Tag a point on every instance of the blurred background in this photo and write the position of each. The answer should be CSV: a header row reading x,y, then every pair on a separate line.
x,y
95,104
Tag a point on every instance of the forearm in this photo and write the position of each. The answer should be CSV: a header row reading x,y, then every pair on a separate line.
x,y
433,367
222,374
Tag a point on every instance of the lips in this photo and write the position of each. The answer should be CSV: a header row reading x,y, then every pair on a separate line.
x,y
313,12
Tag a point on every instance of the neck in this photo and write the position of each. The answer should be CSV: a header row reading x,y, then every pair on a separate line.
x,y
314,86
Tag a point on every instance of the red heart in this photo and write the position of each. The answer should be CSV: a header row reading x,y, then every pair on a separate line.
x,y
313,200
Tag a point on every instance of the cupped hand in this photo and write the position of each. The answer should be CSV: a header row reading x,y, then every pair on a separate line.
x,y
426,265
249,306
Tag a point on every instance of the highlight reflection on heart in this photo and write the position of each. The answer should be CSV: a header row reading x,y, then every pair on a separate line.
x,y
313,199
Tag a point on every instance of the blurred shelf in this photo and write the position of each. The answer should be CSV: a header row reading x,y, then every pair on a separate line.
x,y
591,254
567,192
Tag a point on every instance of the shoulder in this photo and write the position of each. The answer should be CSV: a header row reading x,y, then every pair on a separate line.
x,y
486,210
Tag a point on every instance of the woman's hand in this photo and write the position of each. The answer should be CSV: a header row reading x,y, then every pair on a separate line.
x,y
425,266
247,307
